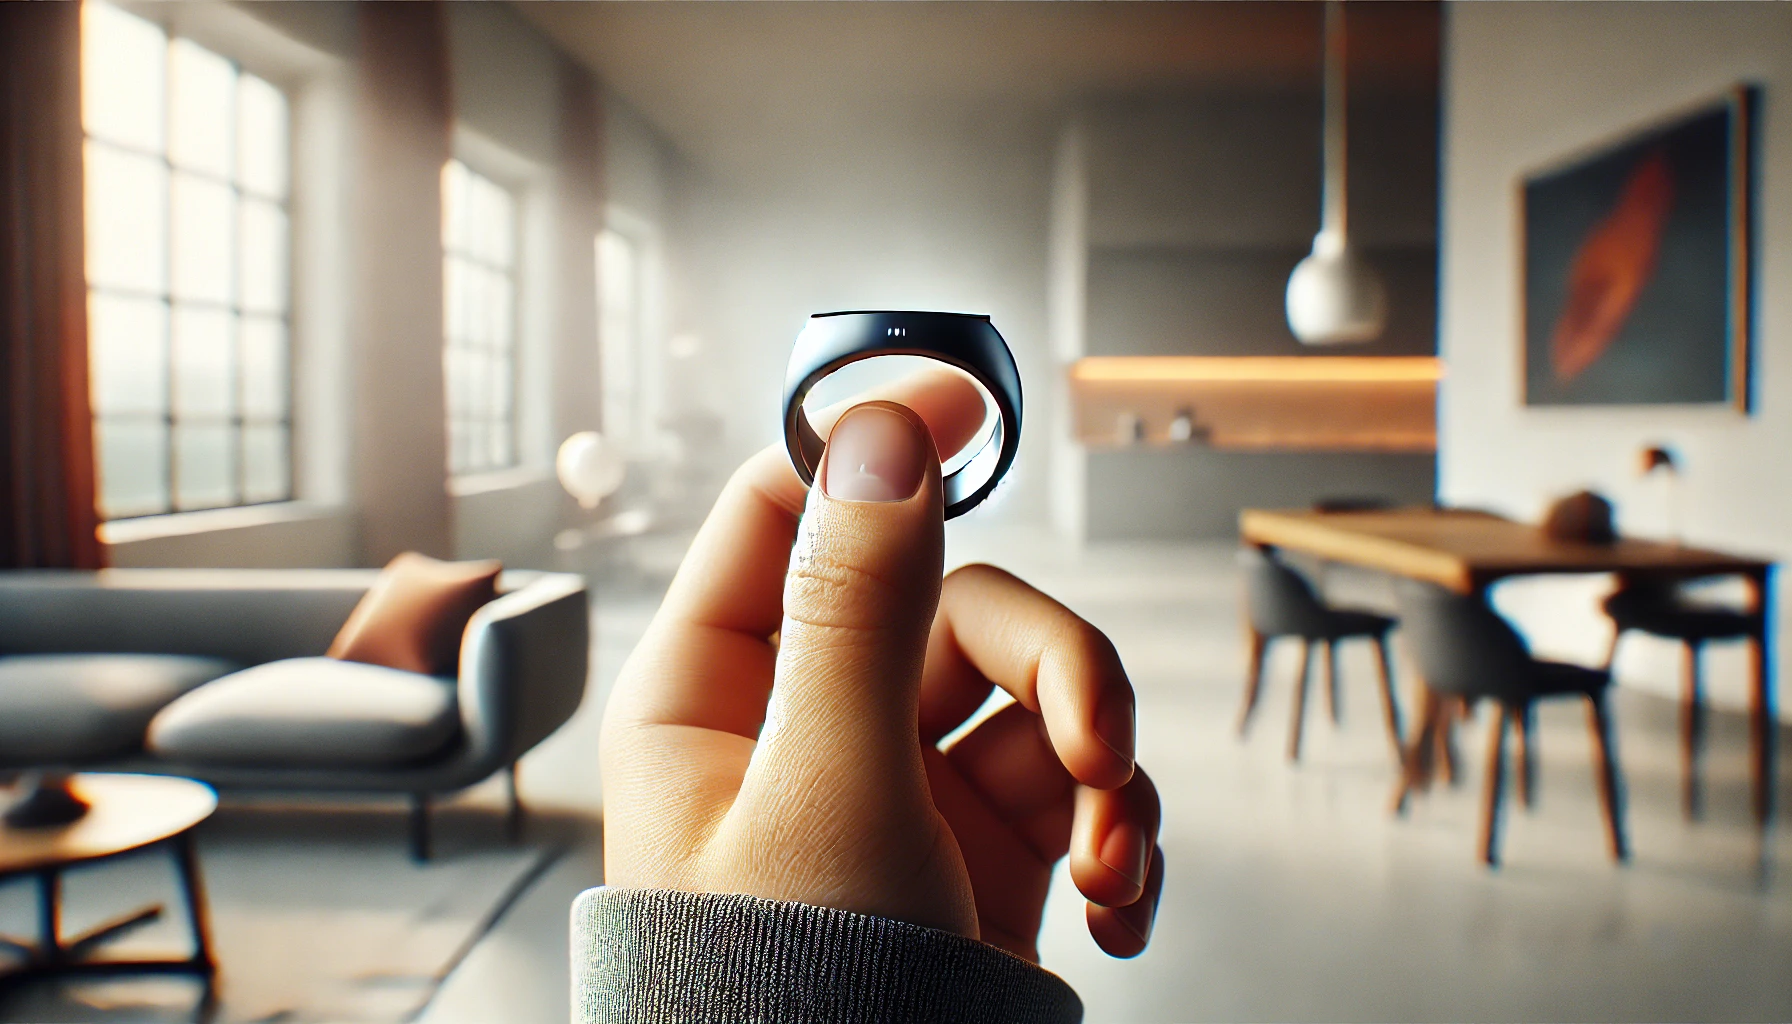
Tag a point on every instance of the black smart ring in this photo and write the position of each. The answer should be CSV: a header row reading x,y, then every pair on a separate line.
x,y
965,340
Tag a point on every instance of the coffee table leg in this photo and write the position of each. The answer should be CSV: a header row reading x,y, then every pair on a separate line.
x,y
49,914
186,858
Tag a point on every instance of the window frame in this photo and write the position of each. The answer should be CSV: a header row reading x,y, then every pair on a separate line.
x,y
511,421
647,342
237,422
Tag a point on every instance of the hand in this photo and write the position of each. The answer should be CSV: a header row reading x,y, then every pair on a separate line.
x,y
776,731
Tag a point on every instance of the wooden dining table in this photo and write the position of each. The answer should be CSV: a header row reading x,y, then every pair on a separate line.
x,y
1468,551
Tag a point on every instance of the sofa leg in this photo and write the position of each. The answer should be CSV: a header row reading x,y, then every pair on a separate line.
x,y
513,817
420,827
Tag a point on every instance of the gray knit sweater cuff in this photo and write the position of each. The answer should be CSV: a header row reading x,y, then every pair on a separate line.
x,y
653,955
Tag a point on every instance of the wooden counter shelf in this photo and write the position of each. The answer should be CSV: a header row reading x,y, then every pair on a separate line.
x,y
1262,403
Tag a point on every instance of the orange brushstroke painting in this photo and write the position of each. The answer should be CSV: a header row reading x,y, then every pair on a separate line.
x,y
1611,268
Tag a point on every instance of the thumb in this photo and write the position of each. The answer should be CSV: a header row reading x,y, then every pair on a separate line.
x,y
836,784
860,595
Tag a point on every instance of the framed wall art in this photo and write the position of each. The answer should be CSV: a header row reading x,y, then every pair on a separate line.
x,y
1637,266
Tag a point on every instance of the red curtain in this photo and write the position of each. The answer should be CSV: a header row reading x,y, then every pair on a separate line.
x,y
47,515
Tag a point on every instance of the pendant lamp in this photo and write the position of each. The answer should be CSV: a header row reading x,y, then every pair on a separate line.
x,y
1334,297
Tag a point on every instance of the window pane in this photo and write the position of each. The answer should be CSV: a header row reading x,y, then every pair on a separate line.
x,y
500,389
261,137
262,257
498,446
133,465
454,300
479,311
478,307
474,369
475,366
498,216
618,330
204,212
122,60
266,472
204,465
127,225
478,216
202,372
454,187
202,90
128,346
452,375
264,368
503,315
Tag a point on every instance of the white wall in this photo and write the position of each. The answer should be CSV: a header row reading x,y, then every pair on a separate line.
x,y
1525,84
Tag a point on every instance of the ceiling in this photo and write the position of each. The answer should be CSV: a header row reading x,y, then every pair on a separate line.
x,y
743,87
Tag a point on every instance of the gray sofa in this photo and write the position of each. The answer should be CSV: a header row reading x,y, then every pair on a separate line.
x,y
217,675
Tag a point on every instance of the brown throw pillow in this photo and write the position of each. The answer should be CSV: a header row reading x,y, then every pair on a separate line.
x,y
414,615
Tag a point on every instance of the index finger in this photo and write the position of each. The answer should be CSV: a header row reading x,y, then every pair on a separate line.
x,y
999,630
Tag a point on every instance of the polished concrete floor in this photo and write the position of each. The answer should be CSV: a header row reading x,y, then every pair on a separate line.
x,y
1292,894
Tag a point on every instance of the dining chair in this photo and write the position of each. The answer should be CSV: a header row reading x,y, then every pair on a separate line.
x,y
1463,648
1659,609
1279,602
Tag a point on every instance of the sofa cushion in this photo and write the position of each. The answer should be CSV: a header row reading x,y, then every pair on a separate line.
x,y
65,709
310,713
415,614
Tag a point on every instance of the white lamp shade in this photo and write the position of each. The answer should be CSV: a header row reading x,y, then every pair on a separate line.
x,y
590,468
1334,297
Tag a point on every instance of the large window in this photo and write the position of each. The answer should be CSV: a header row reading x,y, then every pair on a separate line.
x,y
479,232
187,269
619,332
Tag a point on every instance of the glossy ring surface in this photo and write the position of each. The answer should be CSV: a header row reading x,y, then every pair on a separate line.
x,y
967,341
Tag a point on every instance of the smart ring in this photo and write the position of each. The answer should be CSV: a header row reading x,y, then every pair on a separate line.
x,y
965,340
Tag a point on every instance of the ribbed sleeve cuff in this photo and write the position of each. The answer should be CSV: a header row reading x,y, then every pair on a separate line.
x,y
653,955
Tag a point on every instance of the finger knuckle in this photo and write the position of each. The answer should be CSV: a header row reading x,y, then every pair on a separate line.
x,y
980,572
1088,646
827,591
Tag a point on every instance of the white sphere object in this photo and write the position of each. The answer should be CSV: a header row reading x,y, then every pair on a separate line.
x,y
1334,296
590,468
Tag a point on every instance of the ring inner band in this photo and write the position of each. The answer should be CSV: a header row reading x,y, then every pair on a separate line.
x,y
958,485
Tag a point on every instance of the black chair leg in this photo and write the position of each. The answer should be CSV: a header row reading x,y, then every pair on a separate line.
x,y
1253,680
1496,785
1300,700
420,827
1605,772
1692,729
513,817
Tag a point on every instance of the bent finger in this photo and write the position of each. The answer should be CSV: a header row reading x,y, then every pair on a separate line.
x,y
1008,762
1111,840
1051,660
1124,932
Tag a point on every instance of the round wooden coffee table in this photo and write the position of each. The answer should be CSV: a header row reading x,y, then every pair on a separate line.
x,y
129,814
